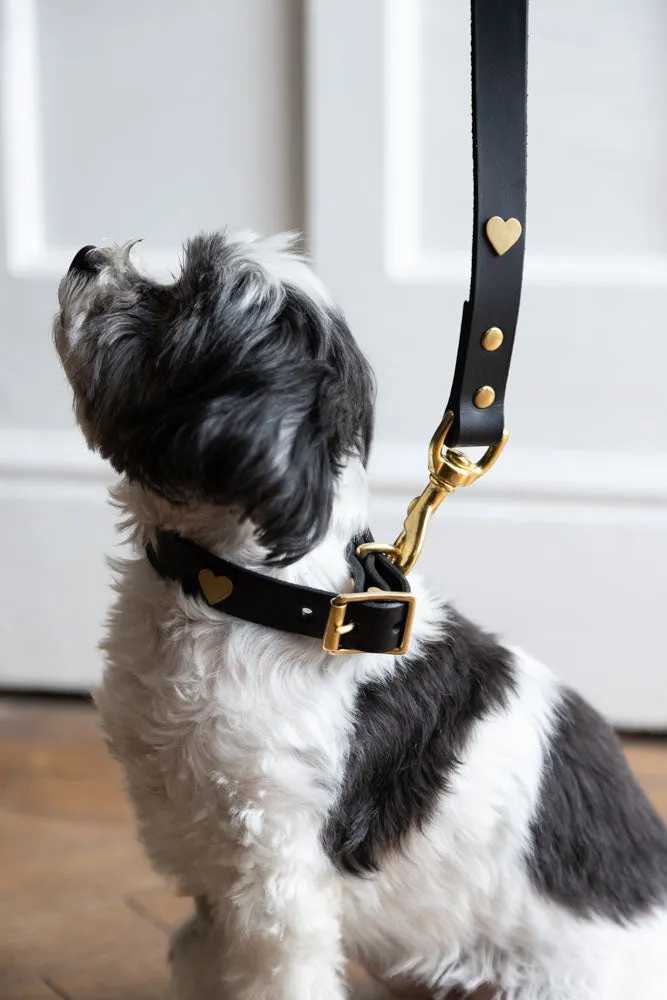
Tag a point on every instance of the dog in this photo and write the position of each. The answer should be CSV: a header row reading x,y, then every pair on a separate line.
x,y
450,818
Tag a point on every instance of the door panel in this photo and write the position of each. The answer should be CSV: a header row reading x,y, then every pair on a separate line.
x,y
120,118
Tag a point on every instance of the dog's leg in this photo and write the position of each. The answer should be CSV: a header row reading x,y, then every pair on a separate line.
x,y
363,986
281,920
195,957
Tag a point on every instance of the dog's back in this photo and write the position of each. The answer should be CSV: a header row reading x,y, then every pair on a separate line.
x,y
539,866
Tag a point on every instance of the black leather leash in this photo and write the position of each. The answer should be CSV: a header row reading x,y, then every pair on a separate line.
x,y
475,411
488,324
376,615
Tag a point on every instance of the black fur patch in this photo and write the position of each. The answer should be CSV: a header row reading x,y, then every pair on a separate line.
x,y
598,846
409,735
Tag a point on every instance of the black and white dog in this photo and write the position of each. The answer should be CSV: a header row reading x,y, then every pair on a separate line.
x,y
450,817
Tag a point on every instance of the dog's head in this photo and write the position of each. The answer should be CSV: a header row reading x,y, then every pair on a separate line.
x,y
238,384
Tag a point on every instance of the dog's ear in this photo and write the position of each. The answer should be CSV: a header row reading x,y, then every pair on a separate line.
x,y
270,443
268,449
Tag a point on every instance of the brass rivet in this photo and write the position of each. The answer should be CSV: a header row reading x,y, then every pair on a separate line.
x,y
492,338
484,397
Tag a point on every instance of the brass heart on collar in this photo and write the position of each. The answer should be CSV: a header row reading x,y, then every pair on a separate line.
x,y
502,235
214,588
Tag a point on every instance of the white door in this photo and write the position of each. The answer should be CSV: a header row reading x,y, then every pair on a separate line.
x,y
120,118
153,118
563,547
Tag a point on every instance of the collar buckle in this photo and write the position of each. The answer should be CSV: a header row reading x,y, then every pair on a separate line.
x,y
337,625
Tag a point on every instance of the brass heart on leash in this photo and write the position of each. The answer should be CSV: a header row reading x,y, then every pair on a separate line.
x,y
502,234
214,588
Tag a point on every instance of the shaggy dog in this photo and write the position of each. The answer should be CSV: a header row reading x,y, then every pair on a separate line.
x,y
449,817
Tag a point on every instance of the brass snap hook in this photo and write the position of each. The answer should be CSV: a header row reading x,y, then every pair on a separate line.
x,y
447,472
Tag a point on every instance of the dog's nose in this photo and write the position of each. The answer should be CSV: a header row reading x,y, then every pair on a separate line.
x,y
86,260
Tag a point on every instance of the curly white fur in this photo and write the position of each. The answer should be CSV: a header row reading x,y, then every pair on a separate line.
x,y
217,723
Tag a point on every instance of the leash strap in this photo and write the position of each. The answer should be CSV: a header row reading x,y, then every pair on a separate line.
x,y
475,413
499,63
375,617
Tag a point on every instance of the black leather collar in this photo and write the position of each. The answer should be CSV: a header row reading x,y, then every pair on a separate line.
x,y
378,625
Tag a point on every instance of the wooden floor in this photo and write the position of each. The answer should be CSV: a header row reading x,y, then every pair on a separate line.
x,y
82,916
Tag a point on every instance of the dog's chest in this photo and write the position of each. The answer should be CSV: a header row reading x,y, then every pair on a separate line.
x,y
220,724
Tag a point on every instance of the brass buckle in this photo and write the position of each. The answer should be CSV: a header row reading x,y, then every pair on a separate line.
x,y
337,626
446,472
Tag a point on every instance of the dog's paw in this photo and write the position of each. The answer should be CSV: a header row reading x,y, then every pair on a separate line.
x,y
364,987
194,959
